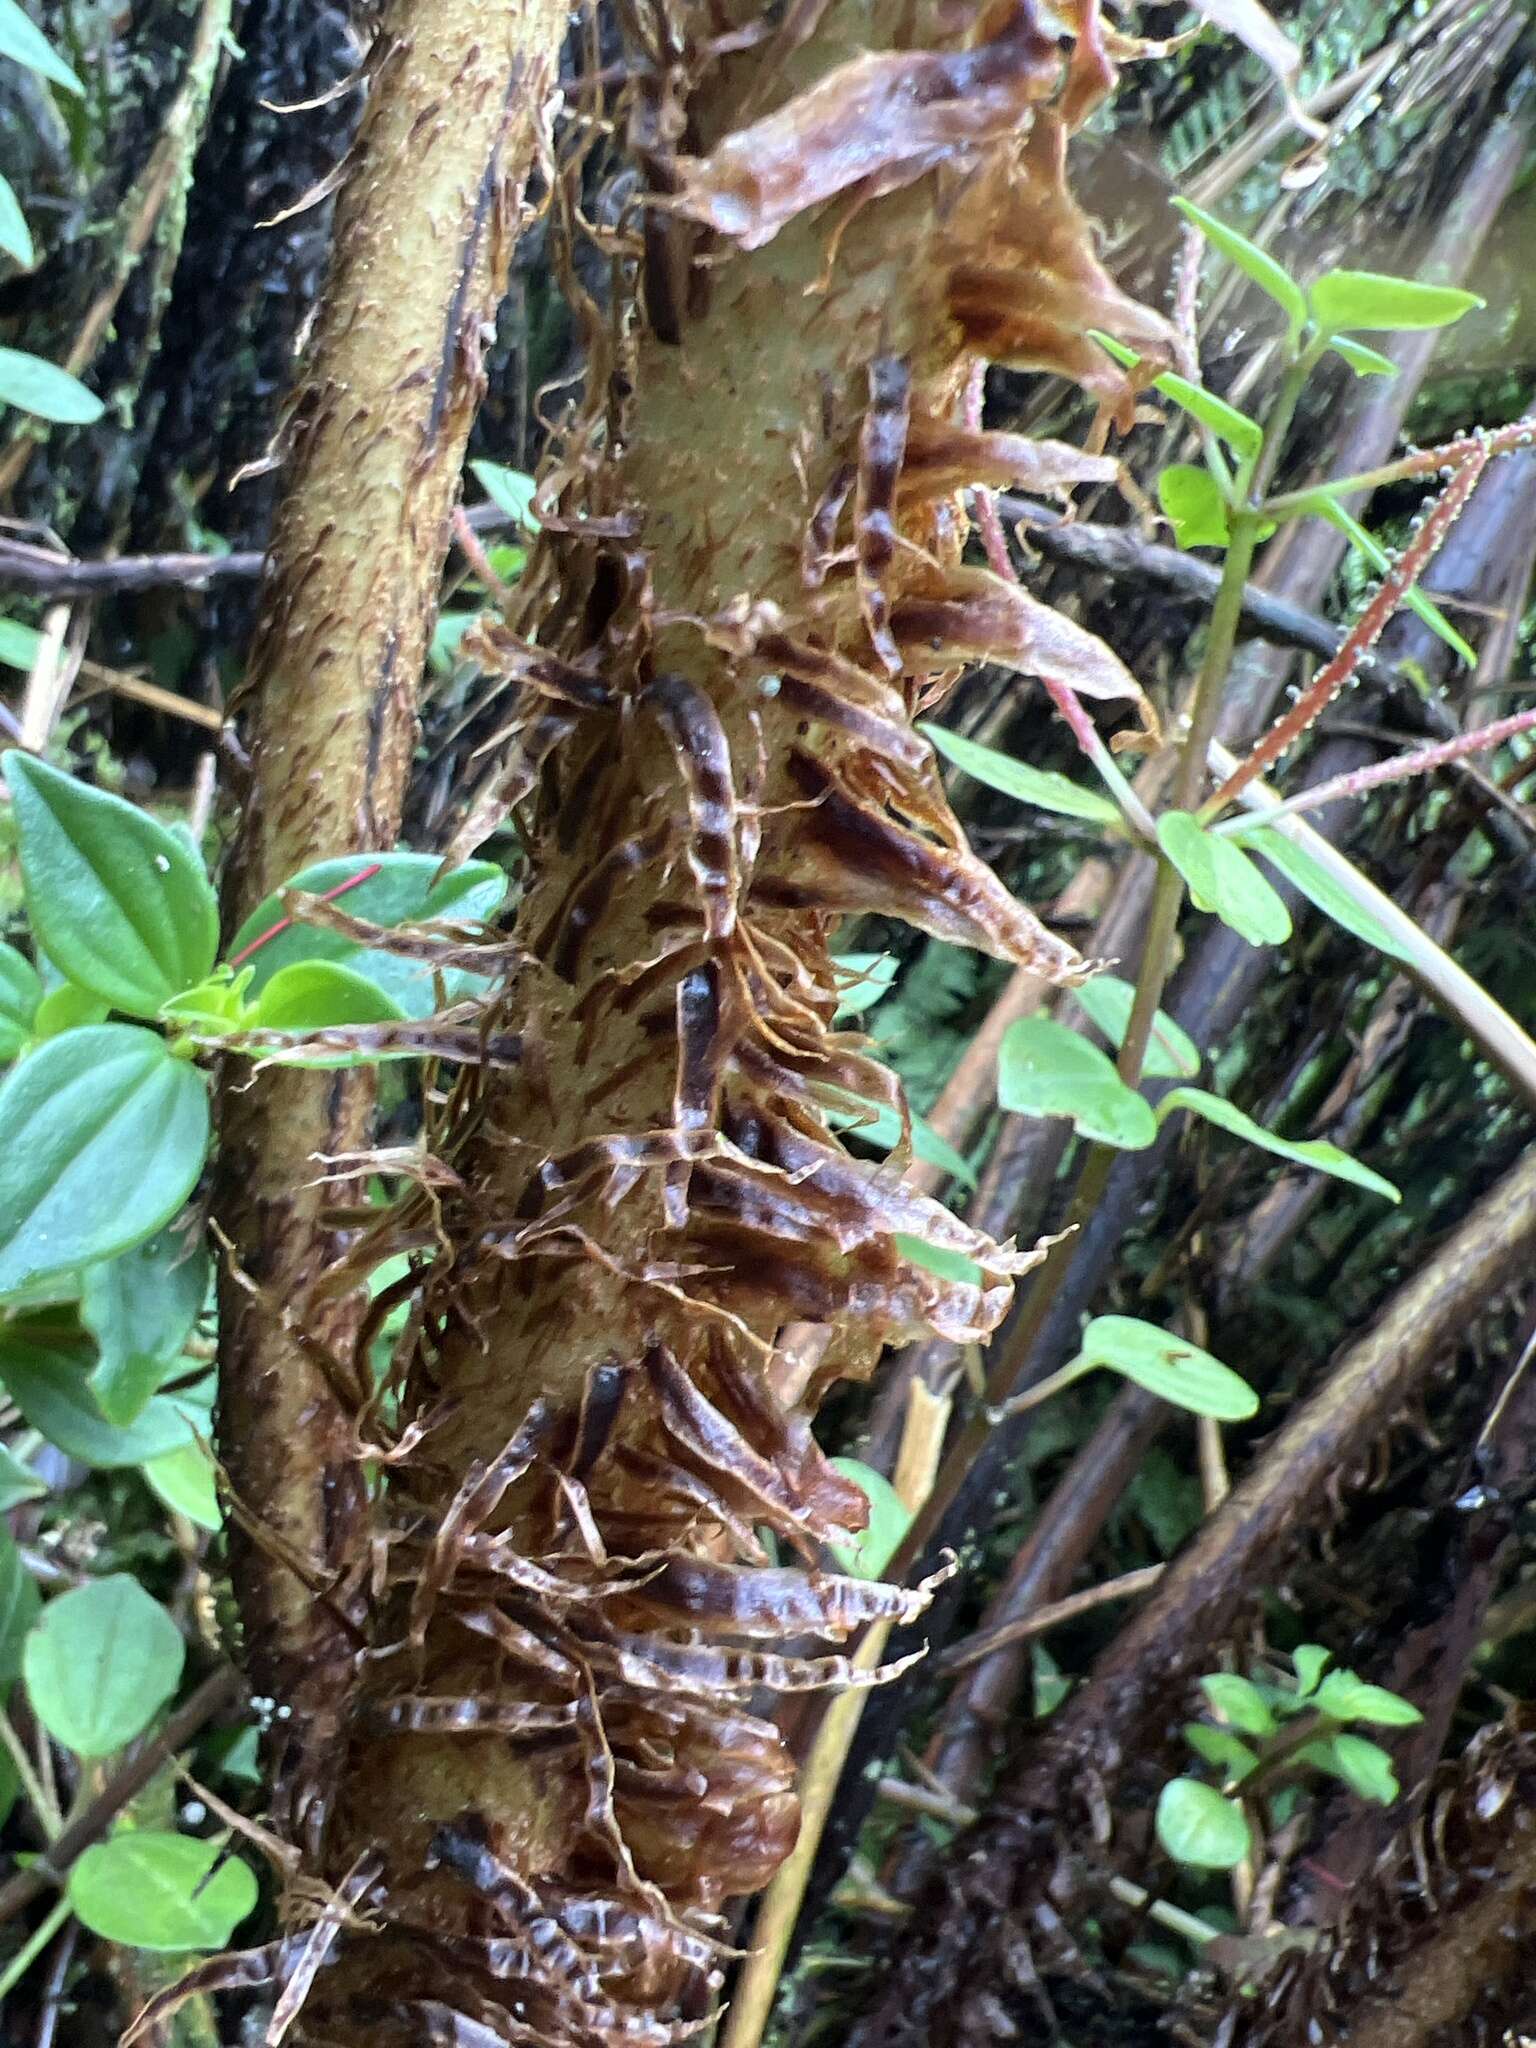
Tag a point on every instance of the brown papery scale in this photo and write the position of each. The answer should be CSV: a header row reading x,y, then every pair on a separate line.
x,y
561,1767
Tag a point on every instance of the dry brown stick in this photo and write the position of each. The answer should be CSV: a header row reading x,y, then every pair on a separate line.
x,y
1125,1587
424,230
218,1691
1127,1698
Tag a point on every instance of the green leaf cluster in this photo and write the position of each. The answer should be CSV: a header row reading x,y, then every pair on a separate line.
x,y
1210,1827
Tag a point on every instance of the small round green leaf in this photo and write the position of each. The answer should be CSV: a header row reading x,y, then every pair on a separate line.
x,y
1221,1746
1345,299
1344,1697
1223,879
510,490
313,995
1042,787
1364,1765
120,903
66,1008
1192,501
44,390
184,1480
21,990
100,1664
1043,1069
45,1366
1197,1826
397,888
140,1308
1239,1702
1167,1365
160,1891
867,1556
104,1136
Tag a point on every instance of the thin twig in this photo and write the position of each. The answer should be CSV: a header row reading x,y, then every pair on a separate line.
x,y
1125,1587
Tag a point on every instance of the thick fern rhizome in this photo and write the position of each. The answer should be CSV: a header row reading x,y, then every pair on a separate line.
x,y
561,1763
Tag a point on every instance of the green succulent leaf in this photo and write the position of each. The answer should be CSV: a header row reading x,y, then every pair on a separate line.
x,y
1222,878
1197,1826
119,902
160,1891
1044,1069
1245,437
1194,503
1343,300
1254,263
1365,362
101,1663
1316,1153
1166,1365
1042,787
313,995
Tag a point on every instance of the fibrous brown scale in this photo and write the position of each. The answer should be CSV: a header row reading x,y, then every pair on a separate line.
x,y
562,1761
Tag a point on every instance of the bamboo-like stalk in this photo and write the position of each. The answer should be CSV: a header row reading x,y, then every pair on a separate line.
x,y
378,424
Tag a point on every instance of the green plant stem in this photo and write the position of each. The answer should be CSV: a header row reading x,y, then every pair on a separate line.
x,y
1156,962
49,1819
31,1949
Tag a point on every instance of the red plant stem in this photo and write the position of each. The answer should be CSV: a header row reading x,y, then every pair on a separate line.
x,y
1066,700
365,874
1401,766
1367,630
1520,433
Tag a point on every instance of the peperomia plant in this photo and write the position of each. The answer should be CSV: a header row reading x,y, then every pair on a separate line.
x,y
1267,1738
105,1107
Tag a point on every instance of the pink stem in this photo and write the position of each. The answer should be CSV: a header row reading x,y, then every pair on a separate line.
x,y
1363,635
1401,766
